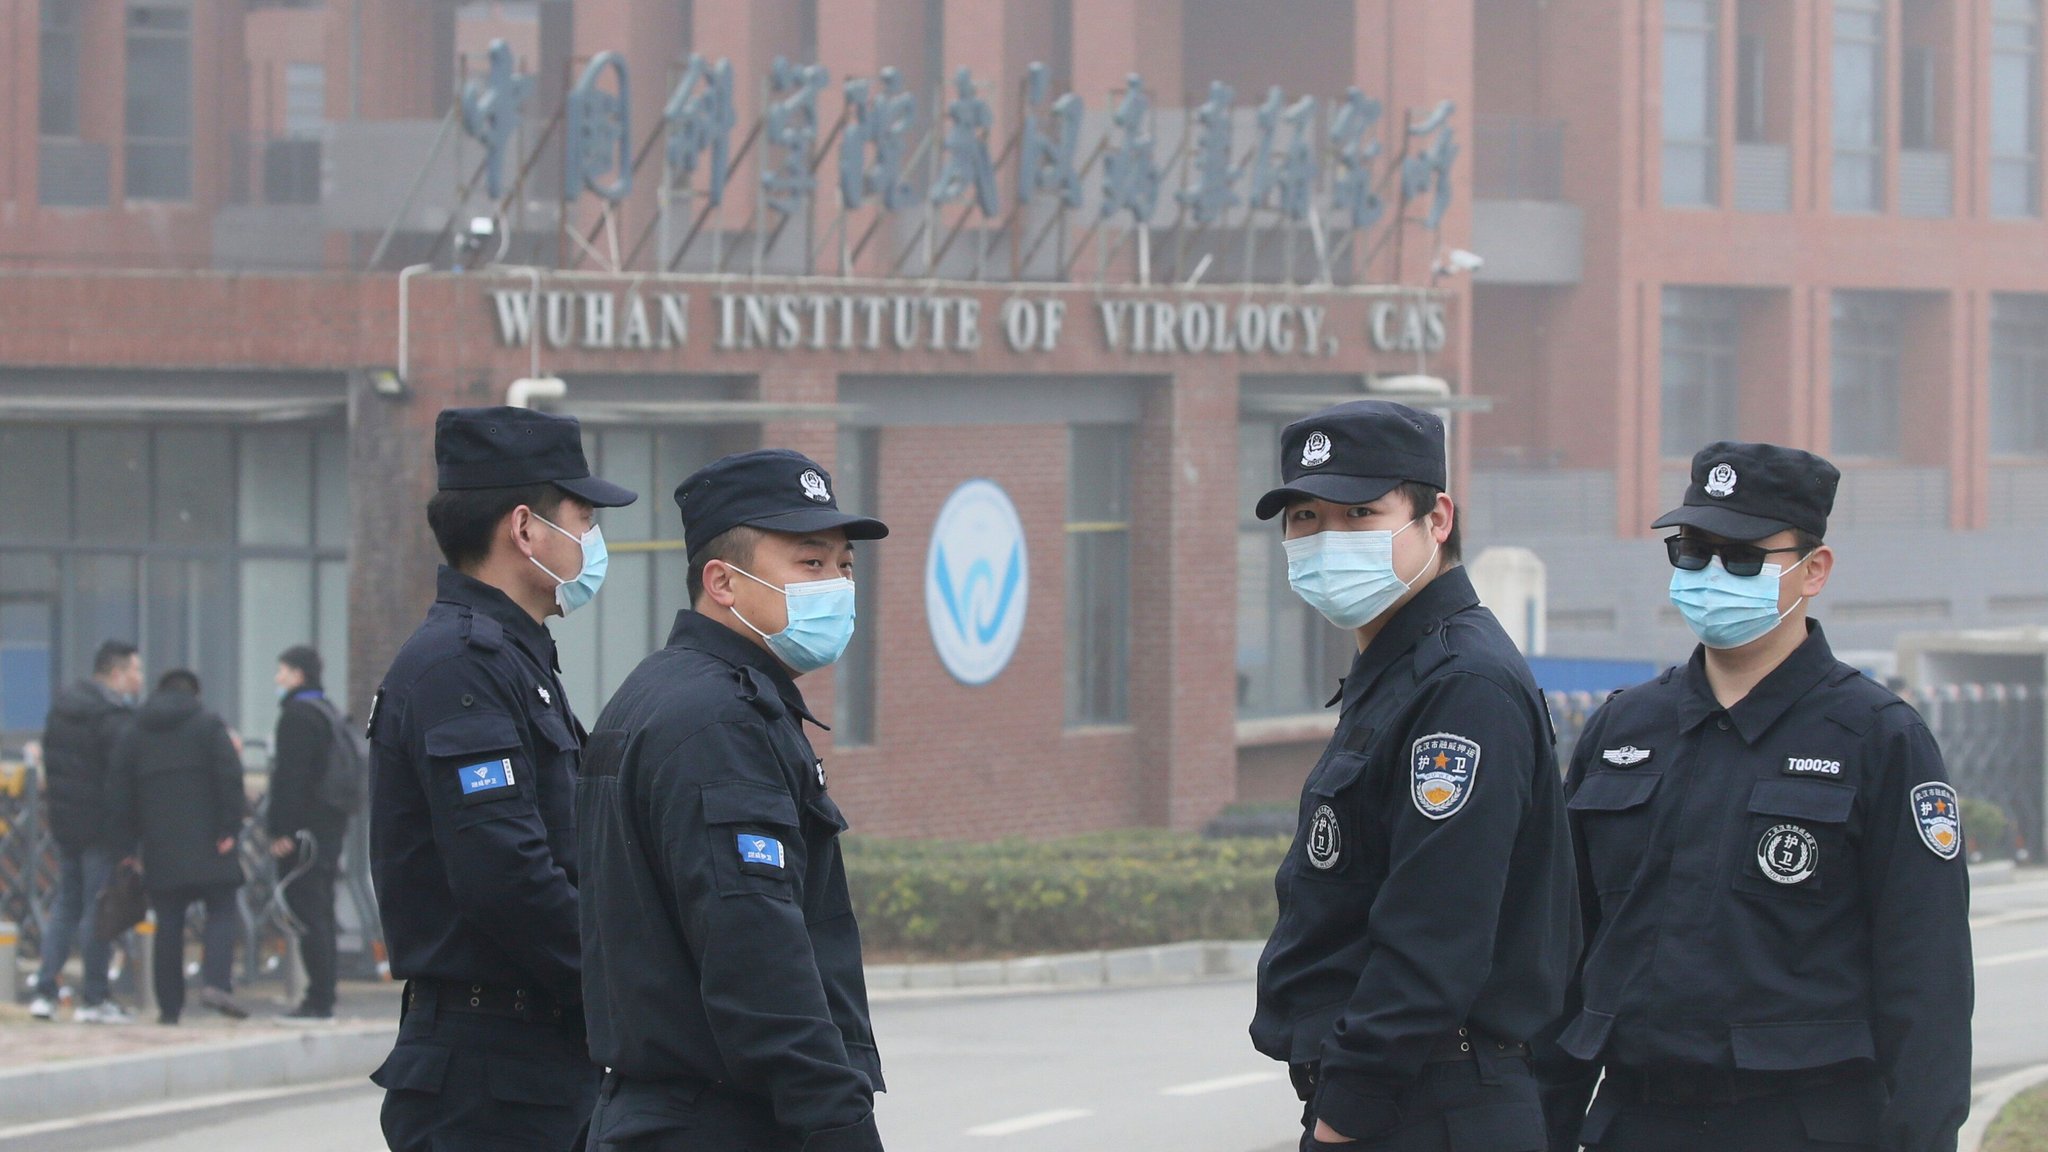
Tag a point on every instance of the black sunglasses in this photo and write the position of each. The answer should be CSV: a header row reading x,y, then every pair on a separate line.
x,y
1692,553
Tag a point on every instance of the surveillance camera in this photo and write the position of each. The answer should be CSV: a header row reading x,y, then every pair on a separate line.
x,y
483,227
1459,260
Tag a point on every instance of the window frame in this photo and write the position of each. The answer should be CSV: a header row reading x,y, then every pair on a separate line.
x,y
1872,151
1707,145
1098,551
2007,15
131,141
1709,331
1865,330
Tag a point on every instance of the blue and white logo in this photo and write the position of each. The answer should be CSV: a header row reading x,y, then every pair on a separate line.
x,y
977,582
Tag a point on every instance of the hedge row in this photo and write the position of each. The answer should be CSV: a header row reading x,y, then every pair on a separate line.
x,y
1108,890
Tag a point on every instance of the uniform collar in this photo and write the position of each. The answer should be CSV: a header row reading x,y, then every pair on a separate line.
x,y
699,632
1773,696
454,587
1446,596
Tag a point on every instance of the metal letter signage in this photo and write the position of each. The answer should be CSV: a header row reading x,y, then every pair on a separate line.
x,y
977,582
967,159
700,118
791,128
1215,190
1130,173
1047,164
490,112
1433,164
1352,198
600,133
880,128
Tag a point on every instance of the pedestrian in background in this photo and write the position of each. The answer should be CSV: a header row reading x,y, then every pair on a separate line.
x,y
177,792
85,723
305,832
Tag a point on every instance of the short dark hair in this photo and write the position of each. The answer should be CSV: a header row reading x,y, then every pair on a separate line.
x,y
1421,499
179,680
112,655
734,546
1805,541
463,519
305,659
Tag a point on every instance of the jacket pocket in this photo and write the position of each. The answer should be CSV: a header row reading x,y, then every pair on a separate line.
x,y
1800,1045
547,1084
755,838
1796,841
1586,1035
1613,816
482,755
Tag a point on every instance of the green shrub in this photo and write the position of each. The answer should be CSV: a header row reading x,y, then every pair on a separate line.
x,y
1104,890
1986,827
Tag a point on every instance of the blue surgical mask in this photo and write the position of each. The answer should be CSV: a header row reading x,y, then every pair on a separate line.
x,y
1727,611
577,591
1349,577
820,622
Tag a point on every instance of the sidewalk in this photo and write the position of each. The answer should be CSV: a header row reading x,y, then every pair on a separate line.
x,y
26,1042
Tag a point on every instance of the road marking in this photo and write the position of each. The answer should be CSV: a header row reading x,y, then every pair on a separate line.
x,y
1222,1084
172,1107
2000,918
2013,958
1036,1120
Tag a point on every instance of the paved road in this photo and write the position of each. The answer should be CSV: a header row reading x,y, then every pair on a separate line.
x,y
1109,1070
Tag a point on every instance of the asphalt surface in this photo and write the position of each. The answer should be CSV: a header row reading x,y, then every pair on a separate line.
x,y
1164,1067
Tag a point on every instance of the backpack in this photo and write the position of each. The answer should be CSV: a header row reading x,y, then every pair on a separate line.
x,y
345,785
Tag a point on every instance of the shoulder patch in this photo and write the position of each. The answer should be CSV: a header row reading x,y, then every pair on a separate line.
x,y
760,850
1441,768
1939,818
490,780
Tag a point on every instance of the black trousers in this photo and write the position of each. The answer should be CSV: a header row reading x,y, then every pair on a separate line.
x,y
460,1082
1486,1104
649,1116
311,899
217,967
1836,1116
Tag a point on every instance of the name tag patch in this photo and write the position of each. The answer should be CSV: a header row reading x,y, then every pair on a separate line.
x,y
1802,766
1939,818
760,850
491,776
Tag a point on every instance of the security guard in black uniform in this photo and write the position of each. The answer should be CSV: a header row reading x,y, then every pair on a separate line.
x,y
1770,867
722,964
1425,931
473,751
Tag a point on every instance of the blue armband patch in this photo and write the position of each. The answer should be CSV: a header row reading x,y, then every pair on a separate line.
x,y
486,777
760,850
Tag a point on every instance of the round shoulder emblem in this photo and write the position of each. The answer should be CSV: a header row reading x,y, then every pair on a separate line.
x,y
814,486
1720,482
1324,841
1316,452
1788,854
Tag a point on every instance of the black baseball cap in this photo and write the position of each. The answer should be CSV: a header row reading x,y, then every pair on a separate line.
x,y
1356,453
1746,492
771,488
508,447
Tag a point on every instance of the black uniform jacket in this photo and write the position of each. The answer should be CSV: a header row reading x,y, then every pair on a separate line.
x,y
718,935
1429,886
1772,887
175,788
84,724
473,754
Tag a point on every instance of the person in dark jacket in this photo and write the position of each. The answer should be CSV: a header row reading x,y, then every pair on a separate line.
x,y
78,742
305,833
721,960
177,792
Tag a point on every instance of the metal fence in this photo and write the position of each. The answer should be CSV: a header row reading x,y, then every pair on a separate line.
x,y
29,865
1990,737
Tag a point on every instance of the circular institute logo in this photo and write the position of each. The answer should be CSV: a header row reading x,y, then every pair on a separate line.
x,y
977,582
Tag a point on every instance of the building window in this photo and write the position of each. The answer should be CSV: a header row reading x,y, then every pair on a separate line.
x,y
1289,658
1859,106
213,548
1869,349
1752,90
857,476
2015,108
1702,339
1919,98
648,580
1098,574
2019,375
305,99
1691,62
58,106
159,106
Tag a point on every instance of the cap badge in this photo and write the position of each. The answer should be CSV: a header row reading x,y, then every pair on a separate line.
x,y
1721,482
814,486
1316,452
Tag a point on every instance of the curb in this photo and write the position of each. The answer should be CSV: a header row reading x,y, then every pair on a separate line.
x,y
1993,872
73,1088
1988,1101
1164,963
